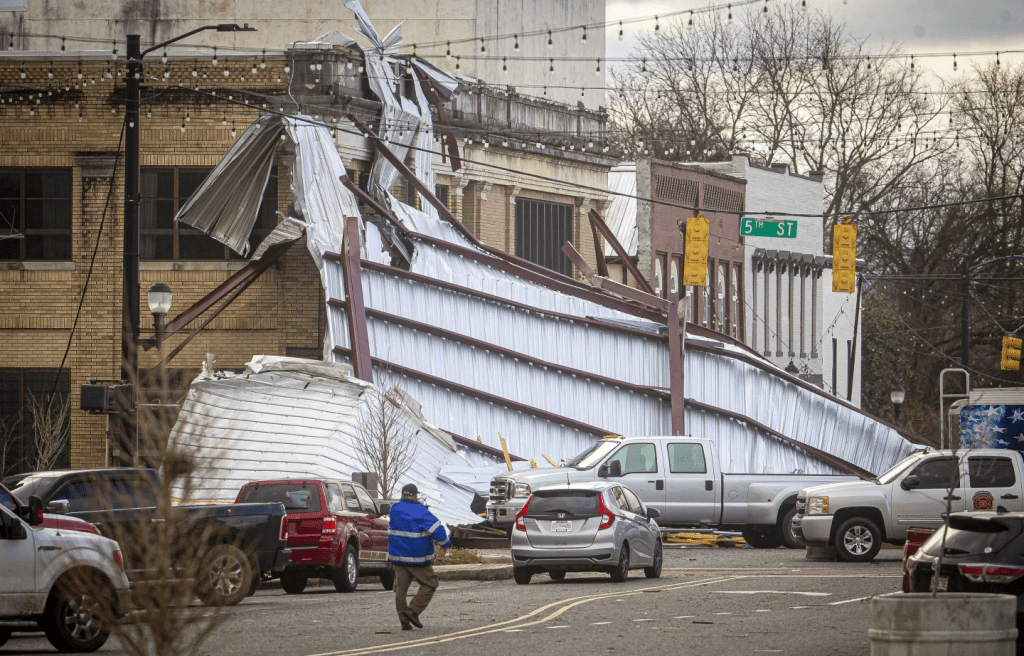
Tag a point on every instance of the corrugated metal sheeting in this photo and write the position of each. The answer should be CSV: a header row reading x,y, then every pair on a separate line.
x,y
488,352
289,418
621,213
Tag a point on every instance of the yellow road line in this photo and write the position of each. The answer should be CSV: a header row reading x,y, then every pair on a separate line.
x,y
567,604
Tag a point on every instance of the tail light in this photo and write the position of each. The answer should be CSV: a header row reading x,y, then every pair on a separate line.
x,y
606,515
118,559
520,524
284,527
330,526
991,573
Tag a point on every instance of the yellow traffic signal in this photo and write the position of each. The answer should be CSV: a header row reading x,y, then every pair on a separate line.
x,y
695,255
844,258
1011,354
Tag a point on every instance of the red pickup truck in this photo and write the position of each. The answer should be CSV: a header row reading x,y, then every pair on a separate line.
x,y
335,530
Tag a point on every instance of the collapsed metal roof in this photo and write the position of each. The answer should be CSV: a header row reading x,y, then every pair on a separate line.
x,y
495,347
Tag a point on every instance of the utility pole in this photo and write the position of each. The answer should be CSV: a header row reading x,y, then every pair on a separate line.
x,y
130,276
965,323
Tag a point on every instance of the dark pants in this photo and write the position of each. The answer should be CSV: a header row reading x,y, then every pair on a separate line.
x,y
427,581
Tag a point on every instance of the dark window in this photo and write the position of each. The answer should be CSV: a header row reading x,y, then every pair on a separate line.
x,y
164,191
82,496
633,503
7,500
35,214
938,474
991,472
686,459
17,437
365,501
441,191
573,503
636,459
969,536
296,497
130,493
541,231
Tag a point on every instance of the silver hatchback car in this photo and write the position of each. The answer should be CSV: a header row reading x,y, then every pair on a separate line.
x,y
585,527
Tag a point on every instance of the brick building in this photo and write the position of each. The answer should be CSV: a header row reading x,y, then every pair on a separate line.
x,y
61,201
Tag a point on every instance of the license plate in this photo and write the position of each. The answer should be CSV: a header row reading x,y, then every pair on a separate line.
x,y
941,583
562,527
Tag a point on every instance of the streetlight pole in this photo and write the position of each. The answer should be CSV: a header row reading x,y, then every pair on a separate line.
x,y
130,262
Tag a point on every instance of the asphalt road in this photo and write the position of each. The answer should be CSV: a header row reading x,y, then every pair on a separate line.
x,y
708,601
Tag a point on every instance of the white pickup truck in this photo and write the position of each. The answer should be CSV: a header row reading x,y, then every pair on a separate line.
x,y
858,517
69,584
681,478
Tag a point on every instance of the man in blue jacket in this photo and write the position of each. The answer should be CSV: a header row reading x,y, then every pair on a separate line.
x,y
411,536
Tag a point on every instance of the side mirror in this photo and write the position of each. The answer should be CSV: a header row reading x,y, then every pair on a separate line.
x,y
58,507
35,511
611,469
910,482
384,508
653,513
11,528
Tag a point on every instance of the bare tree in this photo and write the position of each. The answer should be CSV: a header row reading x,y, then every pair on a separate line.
x,y
385,444
50,427
8,440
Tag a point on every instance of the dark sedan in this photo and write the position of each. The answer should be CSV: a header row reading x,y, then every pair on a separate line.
x,y
983,552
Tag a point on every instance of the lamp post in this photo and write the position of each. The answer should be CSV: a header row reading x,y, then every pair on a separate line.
x,y
792,369
896,395
130,262
160,297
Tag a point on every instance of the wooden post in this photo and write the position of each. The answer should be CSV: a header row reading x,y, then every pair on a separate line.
x,y
676,362
354,308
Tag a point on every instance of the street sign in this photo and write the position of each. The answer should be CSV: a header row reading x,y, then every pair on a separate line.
x,y
751,227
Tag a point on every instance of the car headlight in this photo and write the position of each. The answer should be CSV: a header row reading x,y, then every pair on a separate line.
x,y
521,490
817,506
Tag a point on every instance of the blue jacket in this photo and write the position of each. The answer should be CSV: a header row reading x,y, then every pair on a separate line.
x,y
412,533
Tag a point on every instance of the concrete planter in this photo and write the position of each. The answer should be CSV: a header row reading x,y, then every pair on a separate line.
x,y
952,624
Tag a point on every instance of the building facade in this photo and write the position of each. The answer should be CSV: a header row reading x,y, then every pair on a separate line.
x,y
62,190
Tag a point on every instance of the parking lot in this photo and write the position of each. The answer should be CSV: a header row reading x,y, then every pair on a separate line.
x,y
718,601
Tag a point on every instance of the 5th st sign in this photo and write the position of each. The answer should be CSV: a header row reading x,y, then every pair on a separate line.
x,y
751,227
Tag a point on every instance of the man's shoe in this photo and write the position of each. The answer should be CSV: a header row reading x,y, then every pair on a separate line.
x,y
414,618
405,623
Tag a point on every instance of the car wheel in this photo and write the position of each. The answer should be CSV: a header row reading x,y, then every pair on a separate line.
x,y
654,571
557,575
789,538
74,617
858,540
293,581
225,576
522,575
5,635
621,571
387,578
346,577
761,538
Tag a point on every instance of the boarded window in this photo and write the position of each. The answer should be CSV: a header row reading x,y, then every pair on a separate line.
x,y
541,230
163,192
35,214
675,190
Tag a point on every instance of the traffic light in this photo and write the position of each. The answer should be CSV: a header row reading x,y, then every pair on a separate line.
x,y
1011,354
695,251
844,258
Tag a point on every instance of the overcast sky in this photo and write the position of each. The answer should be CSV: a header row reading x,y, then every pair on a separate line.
x,y
919,25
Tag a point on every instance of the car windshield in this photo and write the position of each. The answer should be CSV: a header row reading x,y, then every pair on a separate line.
x,y
33,486
296,497
7,500
570,503
969,537
595,454
893,472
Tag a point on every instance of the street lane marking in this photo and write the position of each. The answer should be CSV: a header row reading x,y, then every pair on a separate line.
x,y
684,617
560,626
556,608
643,620
798,607
762,610
599,623
723,613
847,601
514,630
785,592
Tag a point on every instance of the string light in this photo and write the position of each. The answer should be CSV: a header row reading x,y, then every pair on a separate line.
x,y
584,37
954,61
24,74
163,58
550,42
689,23
448,52
183,126
227,73
515,46
657,25
149,112
215,57
620,30
263,60
730,13
483,48
187,117
583,93
911,62
113,51
457,66
803,6
598,71
503,66
643,66
63,48
233,131
997,59
766,6
551,67
49,73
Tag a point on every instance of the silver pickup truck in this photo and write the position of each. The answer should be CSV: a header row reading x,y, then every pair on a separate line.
x,y
681,478
916,492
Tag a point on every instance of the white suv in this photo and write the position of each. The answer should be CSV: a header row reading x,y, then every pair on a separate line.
x,y
69,584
